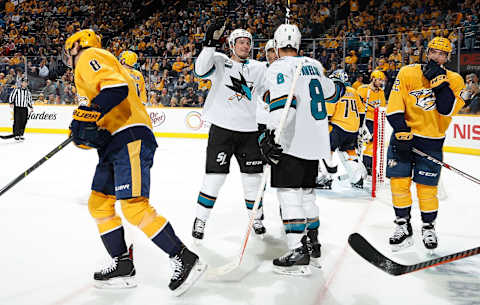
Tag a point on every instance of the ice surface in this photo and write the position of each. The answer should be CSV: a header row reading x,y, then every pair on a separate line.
x,y
50,244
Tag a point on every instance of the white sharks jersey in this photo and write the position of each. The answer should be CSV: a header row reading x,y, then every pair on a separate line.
x,y
232,100
305,134
262,106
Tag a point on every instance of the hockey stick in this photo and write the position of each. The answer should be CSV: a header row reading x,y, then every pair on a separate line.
x,y
364,125
360,245
35,166
235,263
7,136
447,166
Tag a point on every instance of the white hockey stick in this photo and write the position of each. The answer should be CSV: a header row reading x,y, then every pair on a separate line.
x,y
364,125
236,261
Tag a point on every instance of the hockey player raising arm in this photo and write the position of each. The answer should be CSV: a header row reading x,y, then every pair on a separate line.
x,y
304,140
112,119
230,107
420,107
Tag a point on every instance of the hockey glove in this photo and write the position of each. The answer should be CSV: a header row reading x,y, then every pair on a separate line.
x,y
434,73
364,136
84,130
270,150
402,145
214,33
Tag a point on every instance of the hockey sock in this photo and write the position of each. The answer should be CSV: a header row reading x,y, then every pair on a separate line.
x,y
428,201
167,240
293,215
311,209
208,194
102,208
401,196
251,183
113,236
139,212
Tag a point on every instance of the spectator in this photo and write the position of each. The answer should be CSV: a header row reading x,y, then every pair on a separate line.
x,y
471,95
174,102
42,69
180,86
471,28
178,65
191,98
50,89
164,98
358,81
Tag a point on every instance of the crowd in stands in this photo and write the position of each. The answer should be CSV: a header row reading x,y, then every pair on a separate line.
x,y
357,35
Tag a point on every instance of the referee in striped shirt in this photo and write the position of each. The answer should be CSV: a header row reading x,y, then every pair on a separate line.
x,y
21,101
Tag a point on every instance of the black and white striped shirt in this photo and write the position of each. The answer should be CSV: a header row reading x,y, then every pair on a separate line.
x,y
21,98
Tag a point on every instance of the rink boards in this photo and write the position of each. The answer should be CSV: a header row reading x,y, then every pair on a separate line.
x,y
463,135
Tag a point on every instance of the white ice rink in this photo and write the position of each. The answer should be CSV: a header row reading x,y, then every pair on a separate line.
x,y
50,246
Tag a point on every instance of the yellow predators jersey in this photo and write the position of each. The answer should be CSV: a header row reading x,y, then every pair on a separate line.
x,y
139,85
372,98
346,112
411,94
98,69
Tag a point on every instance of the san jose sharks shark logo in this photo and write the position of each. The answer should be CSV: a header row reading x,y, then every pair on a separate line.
x,y
242,88
425,99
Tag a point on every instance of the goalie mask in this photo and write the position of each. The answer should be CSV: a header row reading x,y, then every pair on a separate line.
x,y
340,75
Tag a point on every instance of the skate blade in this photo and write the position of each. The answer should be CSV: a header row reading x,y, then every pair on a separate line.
x,y
293,270
116,283
197,271
405,244
259,236
315,262
197,242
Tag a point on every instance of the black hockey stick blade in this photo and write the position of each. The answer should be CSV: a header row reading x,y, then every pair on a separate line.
x,y
36,165
360,245
7,136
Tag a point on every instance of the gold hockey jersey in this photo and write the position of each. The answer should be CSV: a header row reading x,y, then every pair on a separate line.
x,y
139,84
346,112
98,69
372,98
412,95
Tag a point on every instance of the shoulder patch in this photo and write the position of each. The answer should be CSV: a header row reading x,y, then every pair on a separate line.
x,y
228,63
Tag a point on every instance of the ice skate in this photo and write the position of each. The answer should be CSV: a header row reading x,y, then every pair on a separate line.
x,y
429,237
119,274
314,248
402,237
324,182
294,262
187,269
358,185
197,231
259,228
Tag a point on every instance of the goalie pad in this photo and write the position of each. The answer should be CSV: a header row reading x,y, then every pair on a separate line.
x,y
356,171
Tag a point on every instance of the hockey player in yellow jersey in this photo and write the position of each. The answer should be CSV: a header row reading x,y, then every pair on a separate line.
x,y
372,96
345,118
112,119
128,59
421,104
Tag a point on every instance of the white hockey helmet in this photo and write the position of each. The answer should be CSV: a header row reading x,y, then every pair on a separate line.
x,y
269,45
238,33
287,35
